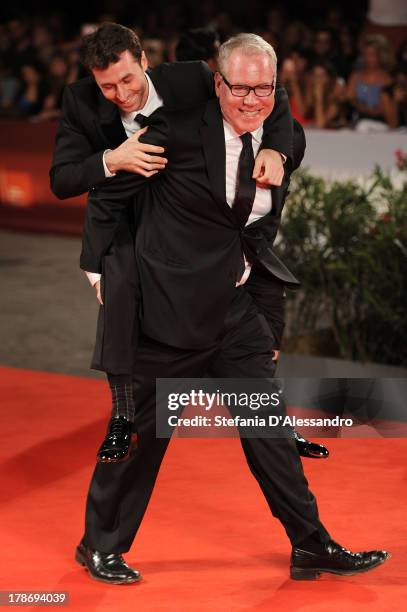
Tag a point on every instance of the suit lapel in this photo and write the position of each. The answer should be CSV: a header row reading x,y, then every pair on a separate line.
x,y
110,122
213,142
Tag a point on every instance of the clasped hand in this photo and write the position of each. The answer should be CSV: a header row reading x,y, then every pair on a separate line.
x,y
135,156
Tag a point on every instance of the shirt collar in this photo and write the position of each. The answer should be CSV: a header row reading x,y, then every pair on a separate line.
x,y
153,102
231,134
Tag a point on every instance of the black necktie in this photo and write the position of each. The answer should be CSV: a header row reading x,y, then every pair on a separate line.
x,y
246,185
141,119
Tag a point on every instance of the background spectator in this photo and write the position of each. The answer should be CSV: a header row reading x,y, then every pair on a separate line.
x,y
326,96
34,89
59,75
366,84
326,47
402,55
294,76
154,50
10,85
199,44
388,19
394,99
295,36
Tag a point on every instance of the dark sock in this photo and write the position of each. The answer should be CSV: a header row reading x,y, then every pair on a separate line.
x,y
312,543
121,387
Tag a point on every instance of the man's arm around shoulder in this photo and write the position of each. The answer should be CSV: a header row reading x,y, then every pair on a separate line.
x,y
108,202
76,166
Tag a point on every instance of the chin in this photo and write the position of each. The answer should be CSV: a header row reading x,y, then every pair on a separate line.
x,y
127,109
250,125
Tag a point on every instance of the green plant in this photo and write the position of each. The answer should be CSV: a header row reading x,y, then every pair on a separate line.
x,y
347,244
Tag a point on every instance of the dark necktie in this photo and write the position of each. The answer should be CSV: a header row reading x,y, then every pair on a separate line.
x,y
141,119
246,185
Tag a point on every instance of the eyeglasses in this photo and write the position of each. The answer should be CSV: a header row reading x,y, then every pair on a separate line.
x,y
241,91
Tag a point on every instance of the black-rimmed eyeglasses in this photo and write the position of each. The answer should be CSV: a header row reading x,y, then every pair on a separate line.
x,y
240,91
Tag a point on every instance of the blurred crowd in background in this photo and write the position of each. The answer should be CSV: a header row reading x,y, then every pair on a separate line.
x,y
340,68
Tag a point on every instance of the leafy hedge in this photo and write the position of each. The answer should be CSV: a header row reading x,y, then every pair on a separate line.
x,y
347,244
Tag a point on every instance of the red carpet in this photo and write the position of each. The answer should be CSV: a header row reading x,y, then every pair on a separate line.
x,y
208,542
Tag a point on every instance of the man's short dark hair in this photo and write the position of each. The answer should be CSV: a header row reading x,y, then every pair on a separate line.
x,y
199,44
104,46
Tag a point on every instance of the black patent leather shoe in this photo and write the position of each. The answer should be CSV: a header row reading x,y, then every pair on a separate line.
x,y
110,568
118,441
310,449
334,559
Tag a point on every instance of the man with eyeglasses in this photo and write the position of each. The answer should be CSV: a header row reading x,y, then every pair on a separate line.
x,y
205,235
98,137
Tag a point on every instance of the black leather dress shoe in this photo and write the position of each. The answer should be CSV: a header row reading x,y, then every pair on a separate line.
x,y
106,567
310,449
118,441
307,565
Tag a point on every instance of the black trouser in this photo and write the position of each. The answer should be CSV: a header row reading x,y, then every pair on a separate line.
x,y
119,493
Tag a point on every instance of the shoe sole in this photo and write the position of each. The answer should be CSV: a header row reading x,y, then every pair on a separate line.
x,y
79,558
315,456
299,573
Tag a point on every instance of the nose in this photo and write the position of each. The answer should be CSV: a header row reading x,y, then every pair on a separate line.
x,y
121,94
250,99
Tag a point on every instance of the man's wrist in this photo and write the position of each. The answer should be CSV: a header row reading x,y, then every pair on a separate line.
x,y
93,277
109,163
276,152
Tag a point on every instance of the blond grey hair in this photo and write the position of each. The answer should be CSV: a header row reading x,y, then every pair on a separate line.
x,y
249,44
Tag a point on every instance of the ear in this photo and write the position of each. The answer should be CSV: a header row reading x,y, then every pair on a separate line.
x,y
144,61
218,83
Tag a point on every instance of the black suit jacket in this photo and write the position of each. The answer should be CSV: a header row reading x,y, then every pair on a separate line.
x,y
189,245
91,124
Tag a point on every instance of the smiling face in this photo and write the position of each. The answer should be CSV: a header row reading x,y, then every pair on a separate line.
x,y
124,82
248,113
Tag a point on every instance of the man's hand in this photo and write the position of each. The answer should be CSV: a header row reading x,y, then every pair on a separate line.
x,y
134,156
268,168
98,292
276,355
